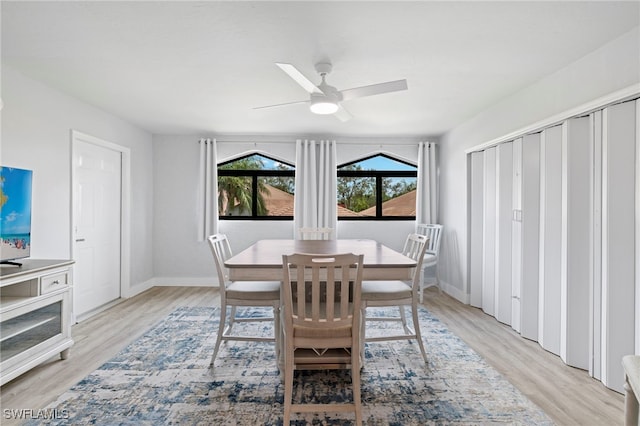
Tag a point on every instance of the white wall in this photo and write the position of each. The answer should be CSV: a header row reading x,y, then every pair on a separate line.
x,y
613,67
180,259
36,134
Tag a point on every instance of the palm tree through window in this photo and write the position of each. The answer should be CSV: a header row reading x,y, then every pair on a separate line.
x,y
255,186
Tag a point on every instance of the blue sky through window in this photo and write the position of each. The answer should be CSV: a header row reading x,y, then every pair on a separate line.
x,y
269,164
383,163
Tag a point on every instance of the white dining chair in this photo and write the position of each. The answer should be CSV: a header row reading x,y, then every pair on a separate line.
x,y
306,233
397,293
431,255
235,294
321,302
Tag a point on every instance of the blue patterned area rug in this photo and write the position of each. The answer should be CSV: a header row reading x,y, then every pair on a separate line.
x,y
163,378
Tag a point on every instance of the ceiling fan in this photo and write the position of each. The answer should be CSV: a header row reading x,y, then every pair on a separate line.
x,y
326,99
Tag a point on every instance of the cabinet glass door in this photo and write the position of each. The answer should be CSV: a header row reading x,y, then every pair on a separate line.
x,y
25,331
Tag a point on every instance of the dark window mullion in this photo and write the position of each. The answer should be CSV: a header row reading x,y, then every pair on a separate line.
x,y
379,196
254,196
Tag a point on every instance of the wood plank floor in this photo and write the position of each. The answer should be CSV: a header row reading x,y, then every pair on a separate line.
x,y
568,395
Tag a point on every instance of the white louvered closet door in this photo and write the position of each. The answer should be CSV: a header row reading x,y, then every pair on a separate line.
x,y
489,232
529,293
576,241
555,237
619,235
476,224
504,210
516,237
550,239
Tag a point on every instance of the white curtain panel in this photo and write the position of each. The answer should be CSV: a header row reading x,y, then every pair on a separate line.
x,y
207,203
315,203
427,196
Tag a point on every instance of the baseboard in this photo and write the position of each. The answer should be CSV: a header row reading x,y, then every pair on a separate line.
x,y
185,282
138,288
454,292
169,282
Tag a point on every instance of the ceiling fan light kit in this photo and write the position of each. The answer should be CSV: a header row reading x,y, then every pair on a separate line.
x,y
325,99
321,105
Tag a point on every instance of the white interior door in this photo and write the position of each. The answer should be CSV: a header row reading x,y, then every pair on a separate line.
x,y
97,225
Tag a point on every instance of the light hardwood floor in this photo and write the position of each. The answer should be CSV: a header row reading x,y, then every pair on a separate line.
x,y
568,395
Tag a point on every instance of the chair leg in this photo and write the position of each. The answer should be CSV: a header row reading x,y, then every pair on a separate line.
x,y
355,382
232,319
277,331
416,326
421,287
403,318
223,317
288,387
363,327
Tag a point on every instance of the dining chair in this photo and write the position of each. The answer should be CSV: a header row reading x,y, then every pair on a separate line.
x,y
321,302
431,255
315,233
242,294
397,293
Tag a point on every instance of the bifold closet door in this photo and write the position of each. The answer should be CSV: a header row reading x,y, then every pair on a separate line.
x,y
529,292
504,206
550,239
619,142
577,225
516,237
476,226
489,232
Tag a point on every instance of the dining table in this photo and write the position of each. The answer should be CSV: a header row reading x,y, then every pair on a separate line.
x,y
263,259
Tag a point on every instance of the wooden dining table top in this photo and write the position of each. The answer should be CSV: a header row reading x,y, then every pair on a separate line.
x,y
263,259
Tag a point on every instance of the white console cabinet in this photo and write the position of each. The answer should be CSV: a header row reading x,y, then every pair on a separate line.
x,y
35,314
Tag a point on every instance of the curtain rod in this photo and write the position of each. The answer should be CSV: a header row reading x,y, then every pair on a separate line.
x,y
337,141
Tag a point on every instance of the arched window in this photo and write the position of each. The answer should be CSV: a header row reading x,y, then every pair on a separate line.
x,y
255,187
377,187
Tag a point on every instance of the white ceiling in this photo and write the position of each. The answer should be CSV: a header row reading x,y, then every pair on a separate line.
x,y
200,67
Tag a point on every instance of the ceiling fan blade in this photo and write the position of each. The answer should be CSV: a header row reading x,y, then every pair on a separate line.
x,y
299,78
286,103
374,89
342,114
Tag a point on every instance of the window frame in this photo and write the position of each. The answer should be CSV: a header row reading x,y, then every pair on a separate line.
x,y
254,175
378,175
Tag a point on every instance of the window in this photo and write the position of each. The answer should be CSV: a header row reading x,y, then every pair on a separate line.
x,y
255,187
377,187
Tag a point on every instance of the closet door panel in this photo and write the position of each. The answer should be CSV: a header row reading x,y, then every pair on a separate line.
x,y
516,237
529,292
637,236
476,227
618,240
550,238
577,225
489,233
595,344
504,200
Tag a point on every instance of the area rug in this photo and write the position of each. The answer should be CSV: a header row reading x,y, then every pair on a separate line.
x,y
164,378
